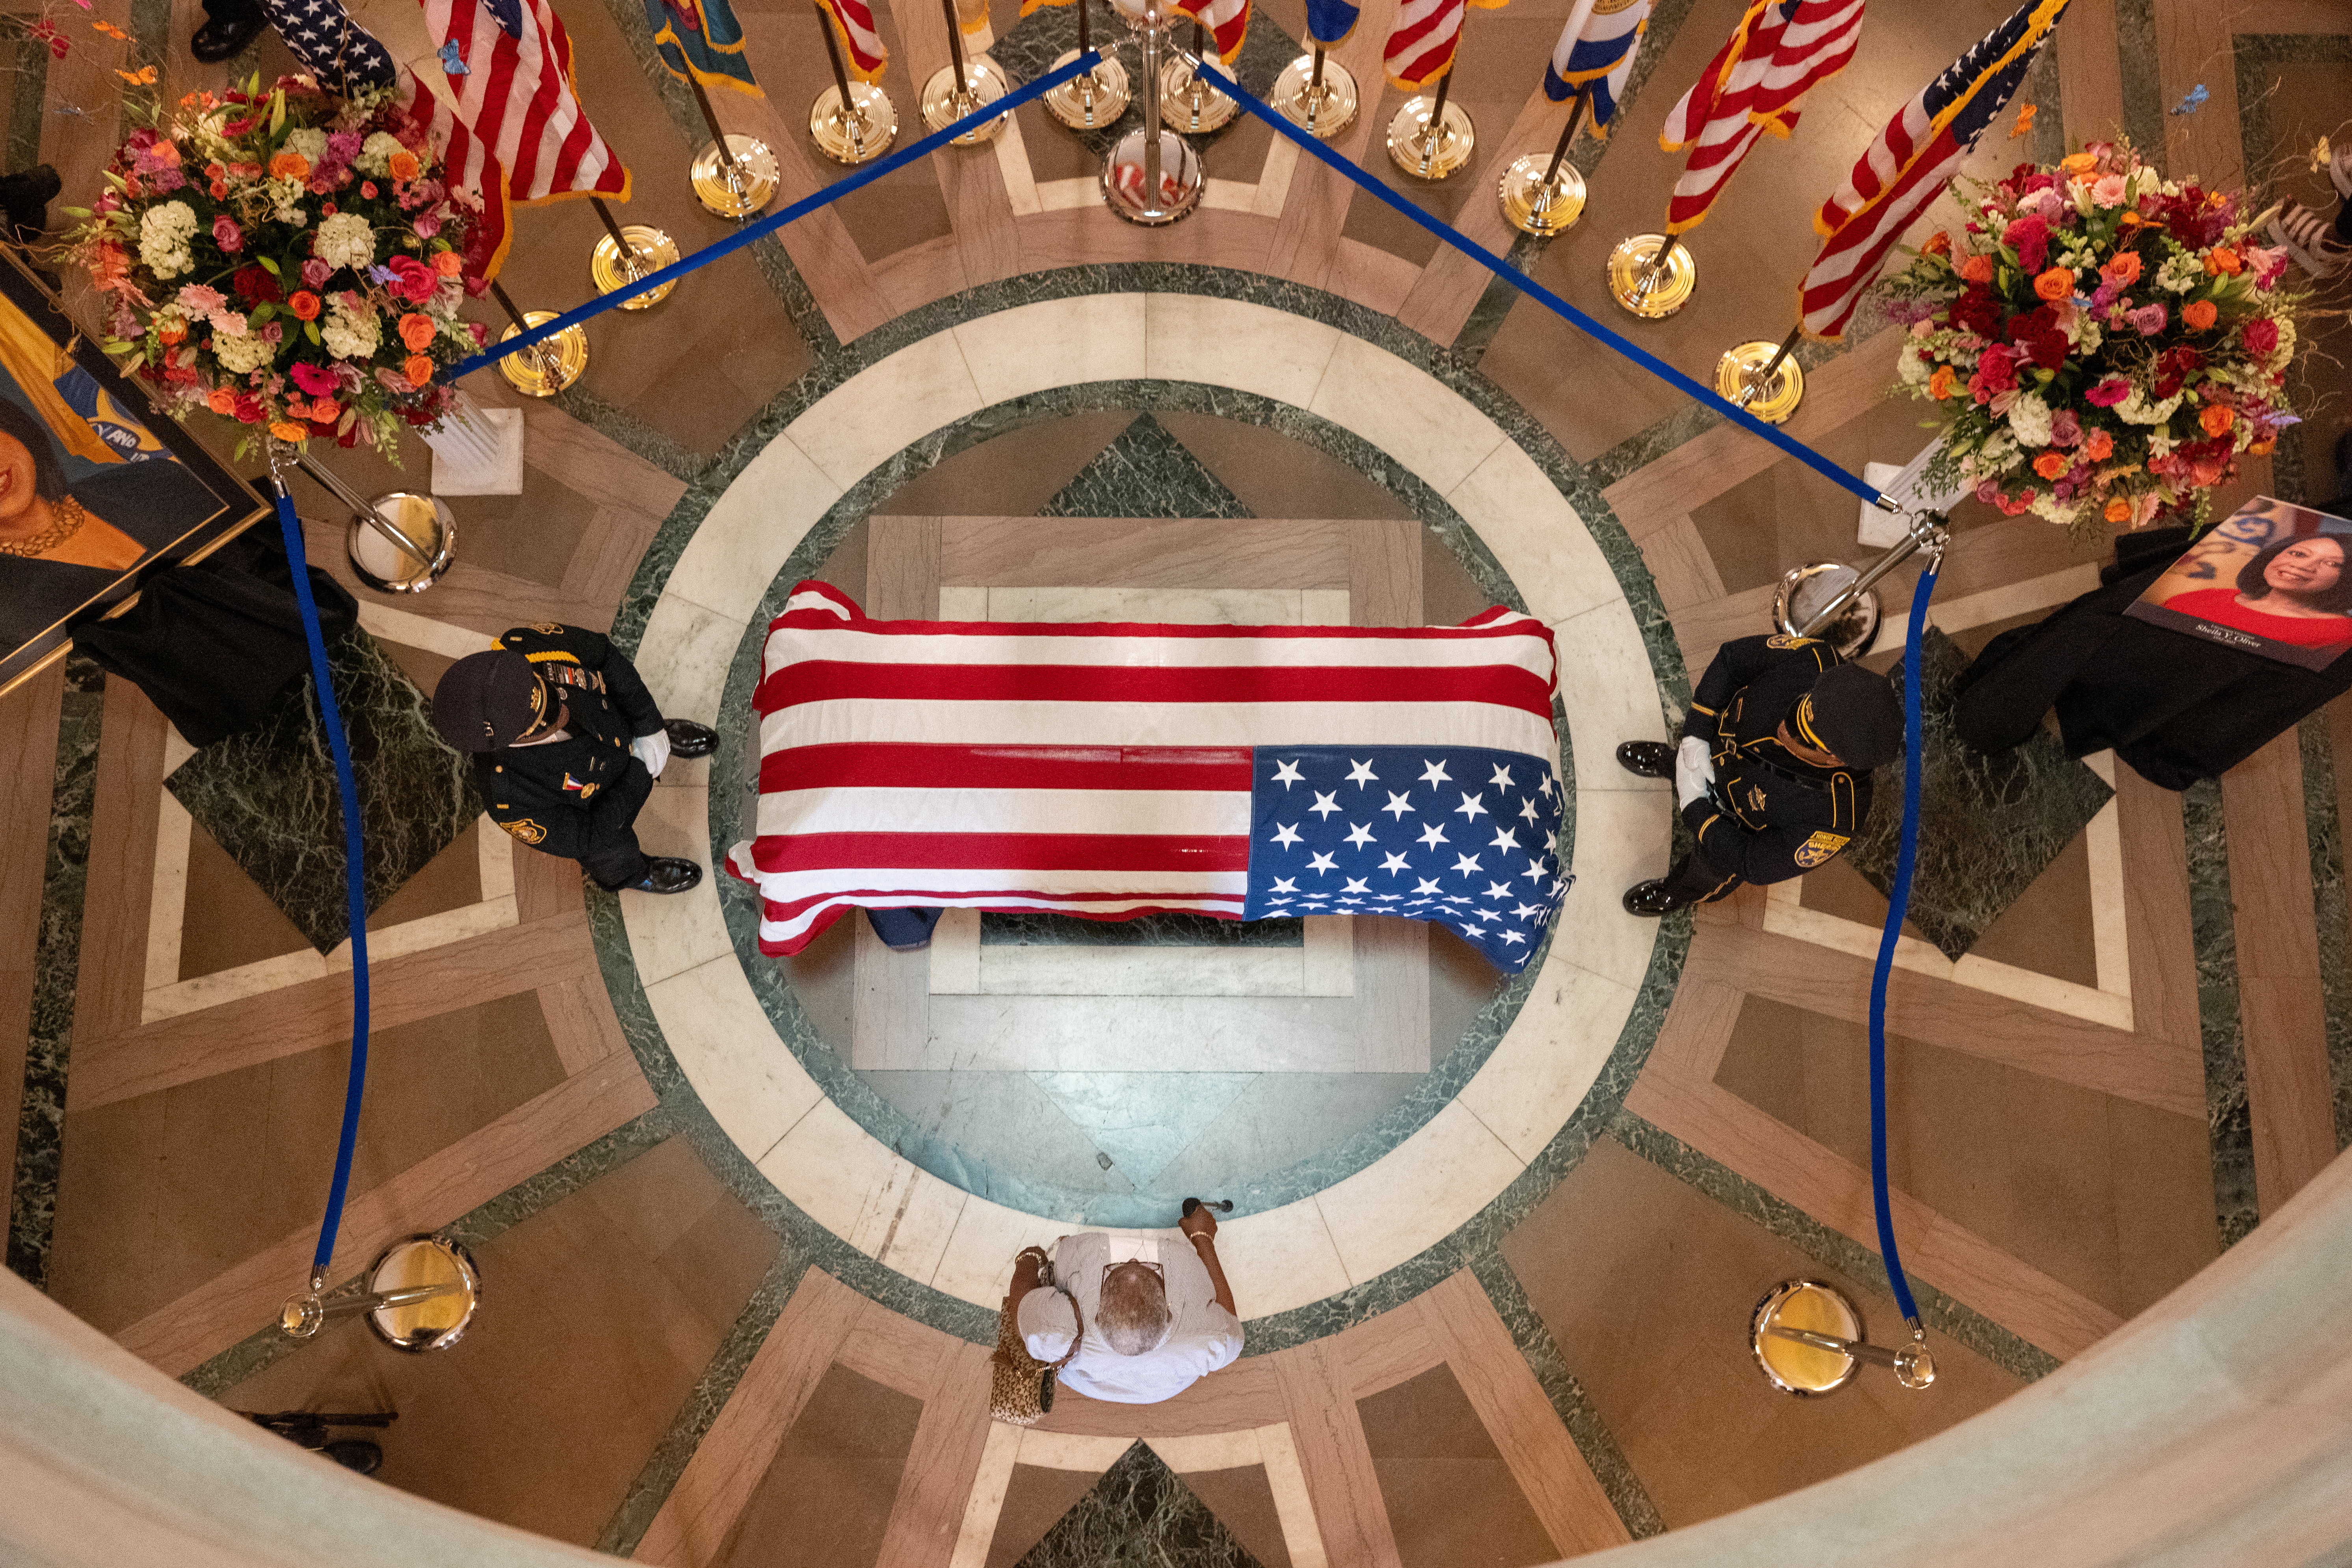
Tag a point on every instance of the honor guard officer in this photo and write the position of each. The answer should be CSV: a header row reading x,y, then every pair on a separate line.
x,y
1773,772
567,742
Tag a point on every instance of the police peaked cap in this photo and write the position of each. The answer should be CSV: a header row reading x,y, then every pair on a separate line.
x,y
487,700
1855,714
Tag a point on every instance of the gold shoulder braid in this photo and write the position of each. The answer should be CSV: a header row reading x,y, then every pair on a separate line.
x,y
67,518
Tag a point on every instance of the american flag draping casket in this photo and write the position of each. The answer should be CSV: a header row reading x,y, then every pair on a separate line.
x,y
1112,771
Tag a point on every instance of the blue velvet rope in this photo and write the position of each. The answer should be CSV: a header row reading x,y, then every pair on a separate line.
x,y
347,790
742,236
1898,904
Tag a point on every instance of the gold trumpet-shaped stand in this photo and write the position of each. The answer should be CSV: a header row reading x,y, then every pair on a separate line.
x,y
547,367
1807,1338
1189,100
1533,204
862,133
649,251
1093,100
1643,287
739,180
1740,376
1322,103
945,103
1431,138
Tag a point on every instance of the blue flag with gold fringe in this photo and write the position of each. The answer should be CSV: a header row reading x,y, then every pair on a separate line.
x,y
701,37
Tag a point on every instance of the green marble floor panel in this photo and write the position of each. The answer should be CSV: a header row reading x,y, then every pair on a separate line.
x,y
1988,825
1140,1515
269,798
1145,472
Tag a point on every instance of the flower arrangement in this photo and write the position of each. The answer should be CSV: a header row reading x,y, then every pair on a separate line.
x,y
288,259
2107,341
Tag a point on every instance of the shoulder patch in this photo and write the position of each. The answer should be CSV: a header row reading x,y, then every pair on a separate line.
x,y
1818,849
1783,639
530,832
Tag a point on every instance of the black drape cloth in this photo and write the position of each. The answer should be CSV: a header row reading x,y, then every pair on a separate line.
x,y
213,643
2177,707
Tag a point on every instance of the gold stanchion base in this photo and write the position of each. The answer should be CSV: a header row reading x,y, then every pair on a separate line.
x,y
1321,111
1091,101
1805,591
1534,208
1651,298
1180,180
983,84
530,372
753,185
1772,401
1790,1365
1430,152
862,134
652,250
1192,105
439,1321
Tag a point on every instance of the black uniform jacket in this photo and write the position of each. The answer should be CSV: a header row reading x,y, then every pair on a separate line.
x,y
1768,816
574,796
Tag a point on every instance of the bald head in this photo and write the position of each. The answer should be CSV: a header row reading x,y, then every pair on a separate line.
x,y
1132,1314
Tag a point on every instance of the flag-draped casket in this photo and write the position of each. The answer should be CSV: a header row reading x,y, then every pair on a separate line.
x,y
1110,770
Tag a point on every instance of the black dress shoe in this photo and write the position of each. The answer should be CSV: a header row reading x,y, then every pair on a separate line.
x,y
1651,759
688,739
24,201
1650,898
223,37
665,875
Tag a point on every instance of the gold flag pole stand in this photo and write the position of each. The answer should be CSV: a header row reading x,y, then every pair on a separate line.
x,y
1194,106
1762,379
1546,203
850,122
1430,138
545,368
625,255
960,87
733,176
1316,95
1098,97
1152,177
1652,275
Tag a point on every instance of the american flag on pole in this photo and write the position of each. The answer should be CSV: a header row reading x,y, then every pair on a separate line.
x,y
1421,45
1227,22
1755,83
862,55
1595,53
1905,169
1109,771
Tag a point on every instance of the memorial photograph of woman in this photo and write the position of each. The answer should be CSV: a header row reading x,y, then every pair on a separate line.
x,y
2274,579
94,488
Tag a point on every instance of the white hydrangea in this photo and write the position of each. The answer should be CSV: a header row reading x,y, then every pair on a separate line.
x,y
345,240
2028,420
2137,409
2180,273
1912,368
287,197
375,153
2280,355
164,231
239,356
310,142
349,333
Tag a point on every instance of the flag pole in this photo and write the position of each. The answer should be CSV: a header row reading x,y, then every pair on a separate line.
x,y
1763,379
626,254
1315,93
1430,138
1651,275
545,368
733,177
852,123
1091,99
962,86
1546,204
1202,109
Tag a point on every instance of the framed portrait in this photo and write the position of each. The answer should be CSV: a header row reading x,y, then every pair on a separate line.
x,y
2272,578
97,490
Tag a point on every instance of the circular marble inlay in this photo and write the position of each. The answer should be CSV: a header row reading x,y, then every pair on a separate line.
x,y
739,1035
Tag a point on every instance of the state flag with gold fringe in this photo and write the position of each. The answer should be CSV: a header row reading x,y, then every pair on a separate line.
x,y
1595,55
703,38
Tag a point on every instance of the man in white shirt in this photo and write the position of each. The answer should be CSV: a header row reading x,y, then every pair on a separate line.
x,y
1157,1313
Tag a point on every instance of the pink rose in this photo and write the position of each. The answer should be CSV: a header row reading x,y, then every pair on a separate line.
x,y
412,279
2065,431
2108,393
227,235
316,380
315,272
2147,321
2262,335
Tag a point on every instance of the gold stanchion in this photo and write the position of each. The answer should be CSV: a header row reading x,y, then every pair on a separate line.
x,y
1152,177
1098,99
545,368
1547,202
1763,379
850,122
625,255
961,87
1652,275
1431,138
733,176
1316,95
1190,100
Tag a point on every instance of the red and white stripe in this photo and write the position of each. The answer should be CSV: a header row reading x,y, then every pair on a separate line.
x,y
1818,43
1757,82
1226,20
1916,157
1421,45
1102,771
863,54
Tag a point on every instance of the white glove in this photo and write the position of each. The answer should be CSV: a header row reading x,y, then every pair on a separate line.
x,y
653,750
1694,771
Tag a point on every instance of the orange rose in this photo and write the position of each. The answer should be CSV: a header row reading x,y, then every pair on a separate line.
x,y
2263,448
2217,418
2118,510
305,305
2050,465
286,431
403,164
2078,165
221,400
418,370
1977,268
173,333
1941,385
1938,244
415,331
2058,283
2122,268
449,263
326,411
2223,260
2198,314
2100,447
296,407
290,166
